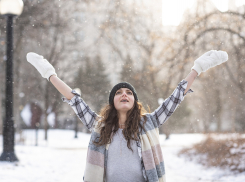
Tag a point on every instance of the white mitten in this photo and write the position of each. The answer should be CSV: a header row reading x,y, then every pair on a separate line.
x,y
208,60
42,65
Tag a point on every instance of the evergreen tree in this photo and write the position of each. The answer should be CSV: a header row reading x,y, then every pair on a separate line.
x,y
93,82
127,73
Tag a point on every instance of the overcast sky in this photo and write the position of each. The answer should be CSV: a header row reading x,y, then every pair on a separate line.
x,y
173,10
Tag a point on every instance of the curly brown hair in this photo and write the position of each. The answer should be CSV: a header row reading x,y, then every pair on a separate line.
x,y
109,124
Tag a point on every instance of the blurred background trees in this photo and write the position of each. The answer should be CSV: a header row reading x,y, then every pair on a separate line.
x,y
93,46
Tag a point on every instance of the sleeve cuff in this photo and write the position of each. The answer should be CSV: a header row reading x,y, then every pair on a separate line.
x,y
183,85
70,102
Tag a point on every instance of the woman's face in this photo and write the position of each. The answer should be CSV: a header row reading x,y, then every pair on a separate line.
x,y
124,100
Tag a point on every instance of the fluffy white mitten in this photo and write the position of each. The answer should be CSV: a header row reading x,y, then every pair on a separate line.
x,y
208,60
42,65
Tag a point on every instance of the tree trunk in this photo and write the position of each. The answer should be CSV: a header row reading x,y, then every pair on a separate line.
x,y
218,111
1,117
233,121
46,112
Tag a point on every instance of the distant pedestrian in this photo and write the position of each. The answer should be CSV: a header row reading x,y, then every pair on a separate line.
x,y
124,144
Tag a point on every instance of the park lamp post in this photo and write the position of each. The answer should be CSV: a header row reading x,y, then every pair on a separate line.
x,y
9,9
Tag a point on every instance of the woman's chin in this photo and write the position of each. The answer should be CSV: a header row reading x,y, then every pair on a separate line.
x,y
124,109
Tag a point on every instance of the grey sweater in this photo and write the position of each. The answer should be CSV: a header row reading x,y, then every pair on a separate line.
x,y
123,164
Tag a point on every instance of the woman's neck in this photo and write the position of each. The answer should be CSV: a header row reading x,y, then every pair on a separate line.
x,y
122,117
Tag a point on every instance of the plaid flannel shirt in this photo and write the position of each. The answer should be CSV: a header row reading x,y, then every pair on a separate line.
x,y
89,118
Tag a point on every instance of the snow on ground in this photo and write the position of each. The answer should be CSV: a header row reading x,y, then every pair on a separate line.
x,y
62,159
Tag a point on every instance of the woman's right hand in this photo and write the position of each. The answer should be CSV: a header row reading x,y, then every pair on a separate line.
x,y
41,64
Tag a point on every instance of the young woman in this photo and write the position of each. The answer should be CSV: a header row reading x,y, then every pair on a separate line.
x,y
124,144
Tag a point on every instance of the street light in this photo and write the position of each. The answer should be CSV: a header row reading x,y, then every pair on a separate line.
x,y
9,9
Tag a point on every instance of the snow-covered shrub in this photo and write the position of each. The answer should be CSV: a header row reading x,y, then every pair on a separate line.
x,y
224,151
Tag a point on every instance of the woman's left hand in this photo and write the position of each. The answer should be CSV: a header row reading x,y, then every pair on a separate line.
x,y
208,60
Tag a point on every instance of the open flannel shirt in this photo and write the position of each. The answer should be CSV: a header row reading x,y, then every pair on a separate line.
x,y
149,148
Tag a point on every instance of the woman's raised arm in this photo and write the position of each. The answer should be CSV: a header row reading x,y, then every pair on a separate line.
x,y
82,110
203,63
64,89
190,79
47,71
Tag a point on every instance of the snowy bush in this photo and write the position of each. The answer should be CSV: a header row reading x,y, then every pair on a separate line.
x,y
219,151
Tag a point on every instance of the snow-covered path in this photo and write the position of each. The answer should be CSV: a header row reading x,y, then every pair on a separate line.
x,y
62,159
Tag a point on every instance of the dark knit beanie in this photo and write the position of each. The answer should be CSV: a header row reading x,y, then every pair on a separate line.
x,y
121,85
